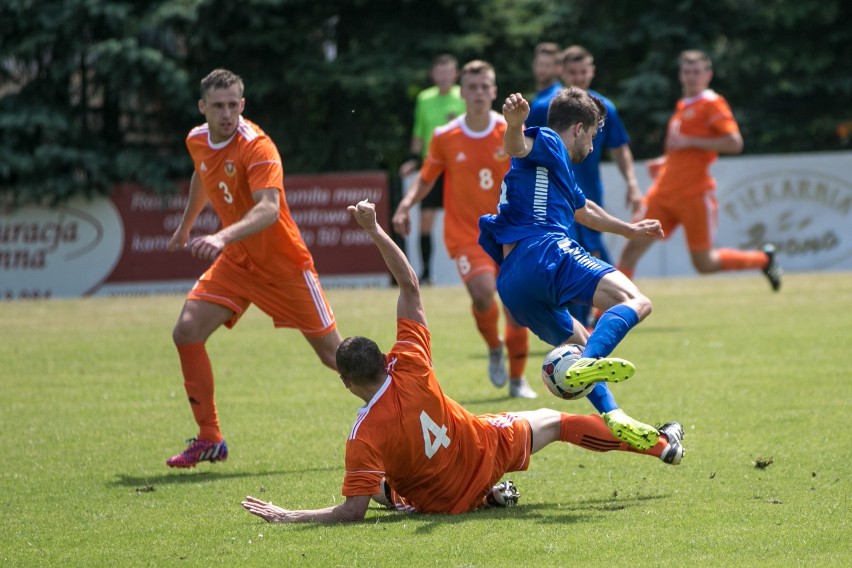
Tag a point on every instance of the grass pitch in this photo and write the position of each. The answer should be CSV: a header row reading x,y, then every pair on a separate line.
x,y
92,404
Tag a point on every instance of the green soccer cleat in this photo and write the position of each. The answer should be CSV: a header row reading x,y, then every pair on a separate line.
x,y
589,370
640,436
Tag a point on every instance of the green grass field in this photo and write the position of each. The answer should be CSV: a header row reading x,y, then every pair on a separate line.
x,y
92,404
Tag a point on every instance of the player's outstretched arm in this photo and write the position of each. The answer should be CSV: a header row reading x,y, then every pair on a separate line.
x,y
593,216
352,509
516,109
409,305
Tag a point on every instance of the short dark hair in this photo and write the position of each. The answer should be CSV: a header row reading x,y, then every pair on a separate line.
x,y
443,59
360,360
546,48
220,79
576,53
695,56
572,105
476,67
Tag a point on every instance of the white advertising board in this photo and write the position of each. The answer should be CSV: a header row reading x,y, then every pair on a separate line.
x,y
800,202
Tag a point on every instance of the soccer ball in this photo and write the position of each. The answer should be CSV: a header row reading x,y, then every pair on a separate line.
x,y
553,370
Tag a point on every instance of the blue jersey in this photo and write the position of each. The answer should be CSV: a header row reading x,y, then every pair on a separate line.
x,y
541,104
612,135
539,196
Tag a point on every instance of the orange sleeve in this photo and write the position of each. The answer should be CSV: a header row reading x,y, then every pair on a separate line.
x,y
415,334
434,164
263,165
364,470
720,117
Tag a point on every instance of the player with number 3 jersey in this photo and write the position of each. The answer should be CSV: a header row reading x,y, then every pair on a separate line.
x,y
258,255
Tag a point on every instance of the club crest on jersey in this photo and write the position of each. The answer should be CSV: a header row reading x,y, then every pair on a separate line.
x,y
500,154
689,113
230,168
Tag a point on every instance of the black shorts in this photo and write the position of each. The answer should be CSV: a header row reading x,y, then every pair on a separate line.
x,y
435,199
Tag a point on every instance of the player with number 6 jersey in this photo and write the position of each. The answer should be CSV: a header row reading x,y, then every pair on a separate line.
x,y
469,152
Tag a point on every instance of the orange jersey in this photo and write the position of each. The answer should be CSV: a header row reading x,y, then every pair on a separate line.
x,y
687,171
419,439
229,172
473,164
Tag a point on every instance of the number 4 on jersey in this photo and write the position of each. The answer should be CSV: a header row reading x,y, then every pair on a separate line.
x,y
431,429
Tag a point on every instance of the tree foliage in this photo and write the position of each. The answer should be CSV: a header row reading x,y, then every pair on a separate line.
x,y
94,92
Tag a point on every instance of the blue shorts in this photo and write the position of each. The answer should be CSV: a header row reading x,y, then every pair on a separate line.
x,y
591,240
541,276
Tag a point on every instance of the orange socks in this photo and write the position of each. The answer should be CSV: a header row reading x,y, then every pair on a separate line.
x,y
733,259
518,347
591,433
198,383
486,323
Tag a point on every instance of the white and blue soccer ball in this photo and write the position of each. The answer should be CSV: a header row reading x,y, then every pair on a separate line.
x,y
555,366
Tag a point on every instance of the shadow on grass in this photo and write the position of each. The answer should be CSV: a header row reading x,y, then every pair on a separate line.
x,y
188,476
590,510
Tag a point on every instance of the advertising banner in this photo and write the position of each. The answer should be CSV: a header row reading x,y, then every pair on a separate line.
x,y
118,245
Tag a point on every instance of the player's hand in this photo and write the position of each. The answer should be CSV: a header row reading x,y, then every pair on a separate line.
x,y
178,240
516,109
207,247
649,228
402,221
364,213
633,198
267,511
677,141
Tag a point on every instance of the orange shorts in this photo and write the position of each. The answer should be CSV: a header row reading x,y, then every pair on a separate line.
x,y
698,214
512,453
297,301
514,443
471,261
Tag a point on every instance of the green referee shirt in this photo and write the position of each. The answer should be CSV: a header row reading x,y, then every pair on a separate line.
x,y
432,110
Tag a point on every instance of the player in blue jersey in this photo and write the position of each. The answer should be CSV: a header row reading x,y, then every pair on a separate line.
x,y
542,269
547,68
578,70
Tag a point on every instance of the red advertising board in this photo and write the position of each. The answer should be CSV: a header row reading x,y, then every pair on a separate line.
x,y
118,246
318,205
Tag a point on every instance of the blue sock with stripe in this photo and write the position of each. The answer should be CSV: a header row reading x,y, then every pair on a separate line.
x,y
611,328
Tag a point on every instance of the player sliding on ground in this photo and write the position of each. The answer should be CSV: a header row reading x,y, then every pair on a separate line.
x,y
412,448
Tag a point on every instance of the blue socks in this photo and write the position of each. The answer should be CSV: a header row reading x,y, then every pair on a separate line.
x,y
602,399
610,329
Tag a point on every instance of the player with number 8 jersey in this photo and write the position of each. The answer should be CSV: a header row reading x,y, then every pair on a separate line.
x,y
469,152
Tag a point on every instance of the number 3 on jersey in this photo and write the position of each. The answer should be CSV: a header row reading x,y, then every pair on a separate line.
x,y
431,429
226,192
